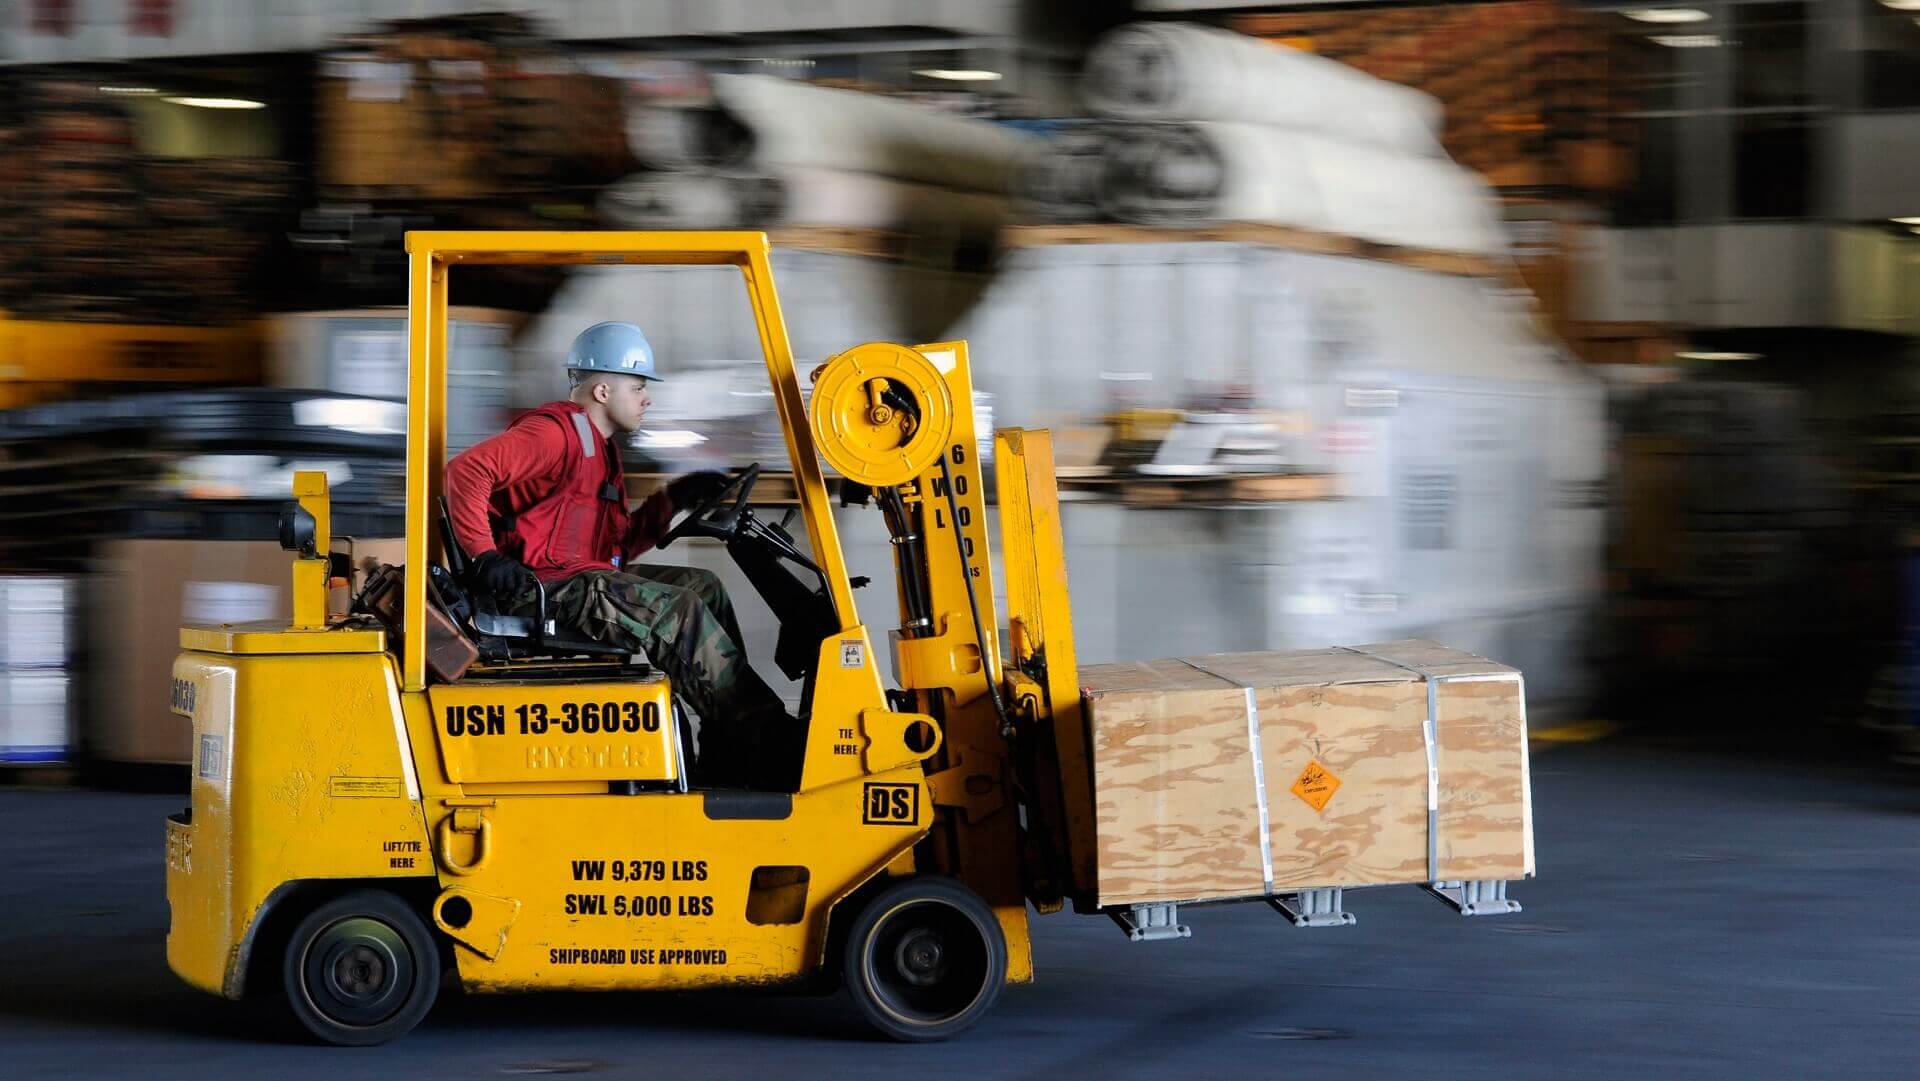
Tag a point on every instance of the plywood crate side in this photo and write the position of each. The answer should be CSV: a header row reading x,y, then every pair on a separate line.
x,y
1372,829
1485,825
1174,796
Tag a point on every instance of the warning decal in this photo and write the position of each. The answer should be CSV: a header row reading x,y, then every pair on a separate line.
x,y
1315,785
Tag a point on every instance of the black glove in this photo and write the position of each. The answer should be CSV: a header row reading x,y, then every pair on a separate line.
x,y
696,488
501,575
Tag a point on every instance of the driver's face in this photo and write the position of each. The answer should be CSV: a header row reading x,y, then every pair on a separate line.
x,y
627,401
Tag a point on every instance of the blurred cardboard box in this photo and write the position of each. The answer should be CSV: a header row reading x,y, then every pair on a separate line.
x,y
142,593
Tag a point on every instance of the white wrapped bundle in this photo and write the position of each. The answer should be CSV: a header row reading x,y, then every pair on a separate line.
x,y
1180,71
1061,182
796,125
1188,174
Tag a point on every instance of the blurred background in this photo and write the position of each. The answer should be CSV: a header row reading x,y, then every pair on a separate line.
x,y
1578,335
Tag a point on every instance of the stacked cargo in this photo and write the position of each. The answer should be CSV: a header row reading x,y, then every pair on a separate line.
x,y
458,123
73,206
456,109
100,232
1531,88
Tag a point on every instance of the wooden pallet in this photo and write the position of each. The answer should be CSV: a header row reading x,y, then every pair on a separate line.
x,y
1273,236
1087,484
1249,489
872,243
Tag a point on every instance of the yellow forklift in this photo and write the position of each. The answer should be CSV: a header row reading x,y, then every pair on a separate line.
x,y
428,790
360,829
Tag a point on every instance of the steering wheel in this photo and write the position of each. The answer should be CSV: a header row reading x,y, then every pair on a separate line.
x,y
717,516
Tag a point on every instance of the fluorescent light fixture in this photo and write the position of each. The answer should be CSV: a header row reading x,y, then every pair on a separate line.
x,y
219,103
1670,15
128,90
1902,5
1686,41
1915,220
1719,356
960,75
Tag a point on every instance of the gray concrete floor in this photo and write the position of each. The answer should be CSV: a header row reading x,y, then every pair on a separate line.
x,y
1697,915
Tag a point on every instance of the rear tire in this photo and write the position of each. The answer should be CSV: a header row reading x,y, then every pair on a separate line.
x,y
925,959
361,969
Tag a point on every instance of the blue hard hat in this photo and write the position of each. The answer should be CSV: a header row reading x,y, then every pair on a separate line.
x,y
613,347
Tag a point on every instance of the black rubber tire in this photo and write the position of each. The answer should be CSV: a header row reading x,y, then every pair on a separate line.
x,y
361,969
925,959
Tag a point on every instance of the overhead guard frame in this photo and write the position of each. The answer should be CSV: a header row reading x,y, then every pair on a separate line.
x,y
431,254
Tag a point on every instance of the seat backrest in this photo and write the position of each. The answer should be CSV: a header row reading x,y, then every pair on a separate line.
x,y
502,636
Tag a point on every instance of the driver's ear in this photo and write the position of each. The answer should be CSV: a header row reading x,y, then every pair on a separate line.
x,y
602,392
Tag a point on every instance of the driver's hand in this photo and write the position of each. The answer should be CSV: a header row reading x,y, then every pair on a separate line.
x,y
696,488
502,575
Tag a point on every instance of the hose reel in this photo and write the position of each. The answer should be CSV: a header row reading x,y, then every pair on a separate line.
x,y
882,413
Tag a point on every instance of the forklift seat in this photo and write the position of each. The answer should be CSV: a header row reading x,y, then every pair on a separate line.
x,y
500,636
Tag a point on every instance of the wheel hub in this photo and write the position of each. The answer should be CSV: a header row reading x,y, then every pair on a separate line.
x,y
921,956
359,971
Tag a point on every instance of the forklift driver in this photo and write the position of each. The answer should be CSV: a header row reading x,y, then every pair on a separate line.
x,y
546,499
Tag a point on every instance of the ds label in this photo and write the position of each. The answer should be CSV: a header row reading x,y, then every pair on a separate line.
x,y
891,805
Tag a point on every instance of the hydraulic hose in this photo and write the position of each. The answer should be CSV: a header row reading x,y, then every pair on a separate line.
x,y
973,602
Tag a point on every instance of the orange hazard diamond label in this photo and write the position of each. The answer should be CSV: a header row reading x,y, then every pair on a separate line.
x,y
1315,785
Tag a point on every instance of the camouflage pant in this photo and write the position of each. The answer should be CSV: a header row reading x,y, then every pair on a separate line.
x,y
681,618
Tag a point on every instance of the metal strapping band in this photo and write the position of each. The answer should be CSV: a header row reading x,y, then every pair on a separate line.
x,y
1259,769
1430,734
585,428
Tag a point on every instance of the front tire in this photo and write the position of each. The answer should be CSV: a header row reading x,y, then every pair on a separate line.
x,y
925,959
361,969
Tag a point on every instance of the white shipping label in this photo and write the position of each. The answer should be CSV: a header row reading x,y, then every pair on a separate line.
x,y
228,602
1427,506
373,80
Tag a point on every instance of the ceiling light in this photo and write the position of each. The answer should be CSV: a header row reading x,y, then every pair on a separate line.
x,y
1686,41
1719,356
219,103
1907,221
1668,15
1902,5
960,75
128,90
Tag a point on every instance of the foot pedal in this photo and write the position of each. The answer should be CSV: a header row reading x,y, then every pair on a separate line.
x,y
1314,908
1478,897
1151,923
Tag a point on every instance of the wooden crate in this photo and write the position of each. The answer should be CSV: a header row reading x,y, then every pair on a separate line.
x,y
1338,741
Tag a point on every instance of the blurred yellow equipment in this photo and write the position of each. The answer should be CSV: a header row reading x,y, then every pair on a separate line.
x,y
43,360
